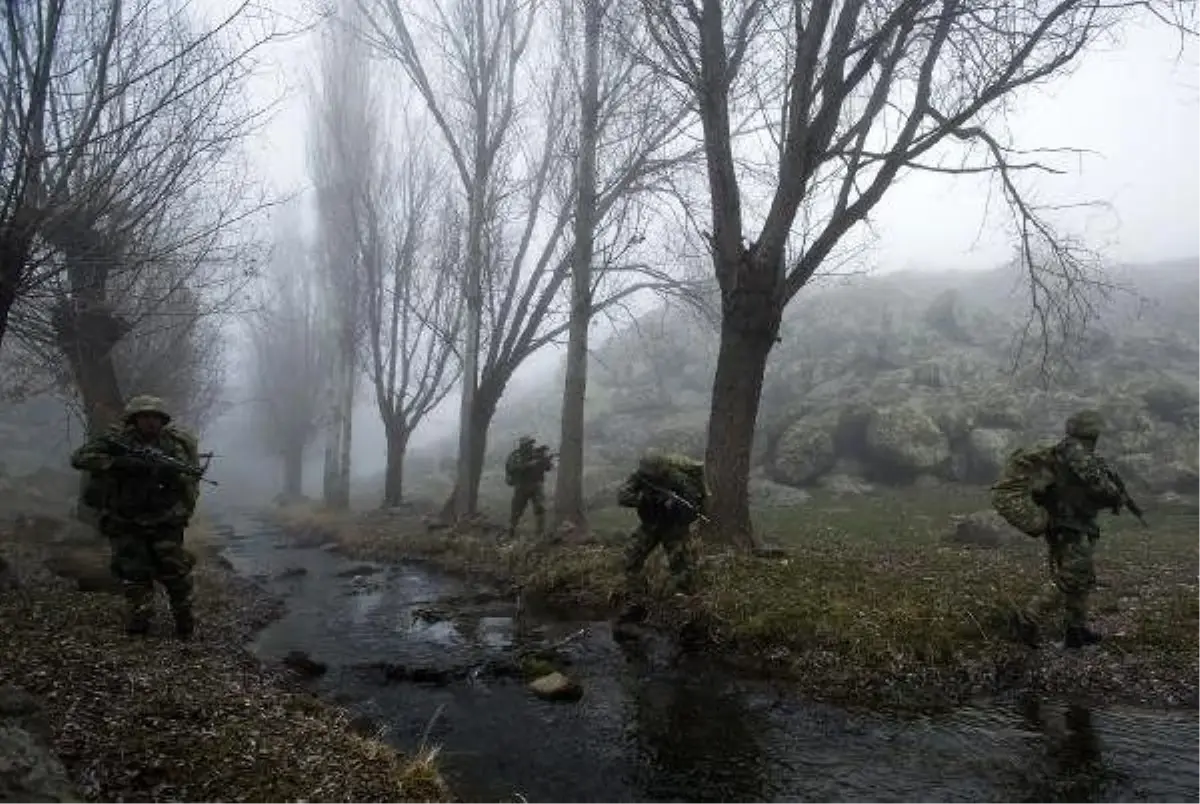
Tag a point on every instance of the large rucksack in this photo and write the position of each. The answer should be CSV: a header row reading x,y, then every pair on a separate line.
x,y
678,474
1027,473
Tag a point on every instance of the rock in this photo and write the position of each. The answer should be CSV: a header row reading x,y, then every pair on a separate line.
x,y
843,484
906,442
768,494
1156,475
1171,402
805,451
982,529
304,665
291,572
556,687
987,449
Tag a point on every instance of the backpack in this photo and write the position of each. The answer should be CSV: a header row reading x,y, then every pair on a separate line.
x,y
1027,473
677,473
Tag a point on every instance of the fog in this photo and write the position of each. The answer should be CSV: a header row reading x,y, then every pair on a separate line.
x,y
1125,123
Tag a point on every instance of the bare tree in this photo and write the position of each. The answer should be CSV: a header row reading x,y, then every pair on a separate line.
x,y
120,120
176,352
504,116
846,95
345,136
288,371
410,252
627,125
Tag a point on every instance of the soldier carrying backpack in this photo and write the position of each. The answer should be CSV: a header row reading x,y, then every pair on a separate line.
x,y
669,493
525,471
1055,491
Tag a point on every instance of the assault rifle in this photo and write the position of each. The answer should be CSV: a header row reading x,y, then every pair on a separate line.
x,y
152,456
1127,502
675,498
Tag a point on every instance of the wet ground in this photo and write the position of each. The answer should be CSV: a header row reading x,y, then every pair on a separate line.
x,y
656,725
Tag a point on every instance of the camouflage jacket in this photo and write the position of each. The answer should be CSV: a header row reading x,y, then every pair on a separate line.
x,y
528,467
655,506
142,494
1082,488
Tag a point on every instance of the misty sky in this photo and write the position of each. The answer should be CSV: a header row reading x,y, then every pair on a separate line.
x,y
1135,103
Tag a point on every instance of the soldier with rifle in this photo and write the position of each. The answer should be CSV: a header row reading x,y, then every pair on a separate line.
x,y
1082,485
143,477
525,471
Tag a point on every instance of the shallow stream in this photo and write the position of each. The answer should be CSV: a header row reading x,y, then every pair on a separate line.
x,y
654,725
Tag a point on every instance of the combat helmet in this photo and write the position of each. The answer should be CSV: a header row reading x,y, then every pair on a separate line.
x,y
147,404
1086,424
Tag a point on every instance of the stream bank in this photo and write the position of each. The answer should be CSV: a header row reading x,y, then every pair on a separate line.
x,y
89,713
411,651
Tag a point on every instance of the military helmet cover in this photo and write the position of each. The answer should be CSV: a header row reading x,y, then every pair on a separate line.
x,y
147,404
1085,424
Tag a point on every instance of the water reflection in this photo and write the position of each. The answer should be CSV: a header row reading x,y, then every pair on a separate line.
x,y
1071,764
697,742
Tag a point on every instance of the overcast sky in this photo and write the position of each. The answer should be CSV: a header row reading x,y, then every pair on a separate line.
x,y
1135,105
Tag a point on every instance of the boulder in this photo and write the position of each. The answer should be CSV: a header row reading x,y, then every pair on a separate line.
x,y
906,442
804,451
987,449
1152,473
845,484
556,687
769,494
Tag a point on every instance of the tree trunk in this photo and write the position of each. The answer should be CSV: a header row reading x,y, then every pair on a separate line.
x,y
749,328
331,473
293,471
568,489
393,479
486,400
87,332
11,266
347,408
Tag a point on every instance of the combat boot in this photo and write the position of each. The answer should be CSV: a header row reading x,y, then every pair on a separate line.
x,y
185,624
1080,636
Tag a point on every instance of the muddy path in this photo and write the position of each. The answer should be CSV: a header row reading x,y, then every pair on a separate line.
x,y
424,656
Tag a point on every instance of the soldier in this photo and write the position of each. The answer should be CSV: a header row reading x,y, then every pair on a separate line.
x,y
668,493
525,470
1083,486
144,509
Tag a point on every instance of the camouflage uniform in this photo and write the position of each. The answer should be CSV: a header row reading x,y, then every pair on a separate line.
x,y
663,520
144,513
526,468
1081,489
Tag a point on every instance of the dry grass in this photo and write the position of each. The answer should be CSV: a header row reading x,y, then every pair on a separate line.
x,y
872,601
155,719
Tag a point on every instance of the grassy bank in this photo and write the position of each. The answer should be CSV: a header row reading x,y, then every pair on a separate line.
x,y
872,601
152,719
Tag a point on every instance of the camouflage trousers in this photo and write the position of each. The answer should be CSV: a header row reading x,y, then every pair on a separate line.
x,y
142,555
1072,579
524,496
674,541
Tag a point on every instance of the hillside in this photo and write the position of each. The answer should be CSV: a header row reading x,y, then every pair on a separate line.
x,y
904,378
